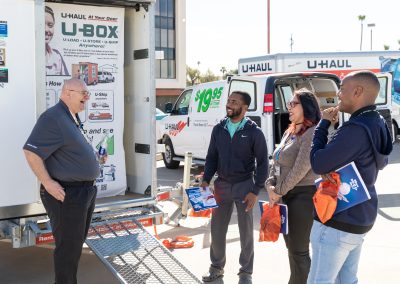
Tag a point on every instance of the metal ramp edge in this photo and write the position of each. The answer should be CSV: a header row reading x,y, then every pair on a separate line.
x,y
133,255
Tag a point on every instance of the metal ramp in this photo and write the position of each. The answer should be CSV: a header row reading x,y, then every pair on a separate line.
x,y
133,255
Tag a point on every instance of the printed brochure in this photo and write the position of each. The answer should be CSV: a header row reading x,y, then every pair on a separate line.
x,y
283,210
352,190
201,198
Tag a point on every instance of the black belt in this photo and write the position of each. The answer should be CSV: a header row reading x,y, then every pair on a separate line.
x,y
76,183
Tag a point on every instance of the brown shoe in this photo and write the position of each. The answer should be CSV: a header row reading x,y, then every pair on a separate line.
x,y
213,274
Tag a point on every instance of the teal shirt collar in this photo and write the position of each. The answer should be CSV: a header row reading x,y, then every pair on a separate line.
x,y
233,127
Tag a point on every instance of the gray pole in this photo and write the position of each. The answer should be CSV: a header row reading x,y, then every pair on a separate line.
x,y
371,39
371,26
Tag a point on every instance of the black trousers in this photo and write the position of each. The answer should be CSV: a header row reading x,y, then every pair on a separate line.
x,y
300,209
70,222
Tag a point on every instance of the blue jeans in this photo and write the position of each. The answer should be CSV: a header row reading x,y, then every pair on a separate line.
x,y
335,255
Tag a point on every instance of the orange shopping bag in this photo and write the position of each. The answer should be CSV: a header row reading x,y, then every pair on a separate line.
x,y
270,224
203,213
325,198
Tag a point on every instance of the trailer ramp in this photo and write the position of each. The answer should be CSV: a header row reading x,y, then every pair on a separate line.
x,y
133,255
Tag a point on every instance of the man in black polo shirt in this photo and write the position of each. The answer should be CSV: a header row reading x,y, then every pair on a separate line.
x,y
66,165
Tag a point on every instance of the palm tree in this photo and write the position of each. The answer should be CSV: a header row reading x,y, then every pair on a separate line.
x,y
209,76
223,70
361,18
192,76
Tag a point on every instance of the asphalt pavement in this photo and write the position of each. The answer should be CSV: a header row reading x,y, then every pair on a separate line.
x,y
379,260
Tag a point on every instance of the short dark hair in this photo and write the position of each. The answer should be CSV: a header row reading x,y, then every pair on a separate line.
x,y
47,9
245,97
368,76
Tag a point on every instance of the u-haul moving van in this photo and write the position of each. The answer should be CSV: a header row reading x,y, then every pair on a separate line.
x,y
339,63
199,108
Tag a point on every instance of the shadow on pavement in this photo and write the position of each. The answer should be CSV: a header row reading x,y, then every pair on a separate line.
x,y
394,157
389,201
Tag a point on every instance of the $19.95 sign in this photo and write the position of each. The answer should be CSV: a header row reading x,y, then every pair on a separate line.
x,y
208,98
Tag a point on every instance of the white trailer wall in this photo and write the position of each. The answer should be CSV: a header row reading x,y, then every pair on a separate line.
x,y
22,43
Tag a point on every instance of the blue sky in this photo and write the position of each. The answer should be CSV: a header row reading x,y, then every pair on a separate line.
x,y
219,32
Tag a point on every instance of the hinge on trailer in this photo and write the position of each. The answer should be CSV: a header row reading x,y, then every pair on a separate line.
x,y
144,5
142,148
140,54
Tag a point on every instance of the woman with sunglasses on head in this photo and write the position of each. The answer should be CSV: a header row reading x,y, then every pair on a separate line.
x,y
291,180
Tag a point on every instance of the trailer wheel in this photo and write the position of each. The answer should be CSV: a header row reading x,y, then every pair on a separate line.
x,y
169,155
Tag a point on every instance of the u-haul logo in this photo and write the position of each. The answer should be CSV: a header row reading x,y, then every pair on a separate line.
x,y
328,63
175,128
101,229
257,67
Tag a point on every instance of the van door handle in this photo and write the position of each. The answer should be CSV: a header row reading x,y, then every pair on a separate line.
x,y
188,119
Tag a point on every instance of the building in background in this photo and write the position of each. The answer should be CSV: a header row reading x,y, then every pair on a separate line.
x,y
170,44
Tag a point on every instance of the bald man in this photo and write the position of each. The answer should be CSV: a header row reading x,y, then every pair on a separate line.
x,y
66,165
364,139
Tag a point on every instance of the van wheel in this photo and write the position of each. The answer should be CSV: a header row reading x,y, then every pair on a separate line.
x,y
168,155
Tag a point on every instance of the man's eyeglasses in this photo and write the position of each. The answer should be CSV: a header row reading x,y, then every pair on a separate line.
x,y
85,93
291,104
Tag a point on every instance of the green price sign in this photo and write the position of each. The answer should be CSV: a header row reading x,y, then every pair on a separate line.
x,y
208,98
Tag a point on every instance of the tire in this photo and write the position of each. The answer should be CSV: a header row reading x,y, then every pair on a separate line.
x,y
168,155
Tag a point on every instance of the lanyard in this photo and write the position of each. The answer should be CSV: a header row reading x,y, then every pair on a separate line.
x,y
79,124
282,145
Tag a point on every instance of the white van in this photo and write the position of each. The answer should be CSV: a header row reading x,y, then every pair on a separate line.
x,y
105,77
199,108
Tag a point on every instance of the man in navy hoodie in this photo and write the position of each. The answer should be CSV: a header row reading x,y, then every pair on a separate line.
x,y
236,144
364,139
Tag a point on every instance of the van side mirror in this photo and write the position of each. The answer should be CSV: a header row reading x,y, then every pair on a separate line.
x,y
168,107
396,86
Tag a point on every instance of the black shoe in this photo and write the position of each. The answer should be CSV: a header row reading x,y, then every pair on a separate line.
x,y
213,274
245,278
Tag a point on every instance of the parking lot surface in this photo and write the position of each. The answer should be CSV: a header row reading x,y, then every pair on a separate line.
x,y
379,260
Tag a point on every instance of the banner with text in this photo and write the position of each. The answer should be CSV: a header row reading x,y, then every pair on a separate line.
x,y
87,42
